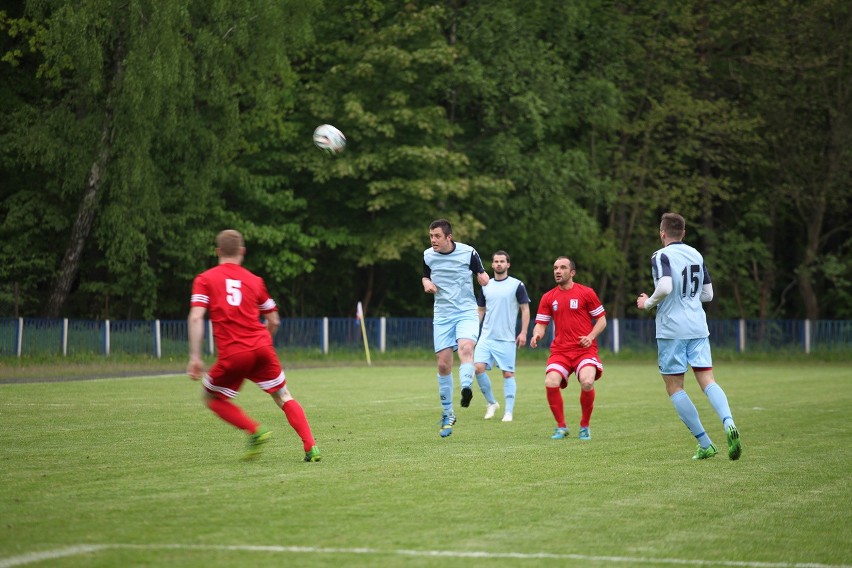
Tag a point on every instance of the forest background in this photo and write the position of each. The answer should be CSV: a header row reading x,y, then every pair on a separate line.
x,y
132,131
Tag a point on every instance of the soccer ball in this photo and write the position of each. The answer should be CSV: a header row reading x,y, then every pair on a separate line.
x,y
329,139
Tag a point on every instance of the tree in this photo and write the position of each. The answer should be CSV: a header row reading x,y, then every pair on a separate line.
x,y
382,78
794,69
144,109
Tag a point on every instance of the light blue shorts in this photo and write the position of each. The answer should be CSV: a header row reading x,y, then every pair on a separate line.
x,y
448,332
499,353
675,354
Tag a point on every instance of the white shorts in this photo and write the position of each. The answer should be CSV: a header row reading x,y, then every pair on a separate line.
x,y
496,353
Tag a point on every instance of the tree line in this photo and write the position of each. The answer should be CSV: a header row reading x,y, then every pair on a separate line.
x,y
133,131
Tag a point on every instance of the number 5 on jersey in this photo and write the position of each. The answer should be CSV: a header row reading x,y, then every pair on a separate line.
x,y
235,295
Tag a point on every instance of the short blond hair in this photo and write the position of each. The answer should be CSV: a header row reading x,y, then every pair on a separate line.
x,y
229,242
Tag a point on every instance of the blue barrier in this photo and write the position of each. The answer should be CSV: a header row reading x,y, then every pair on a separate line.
x,y
158,338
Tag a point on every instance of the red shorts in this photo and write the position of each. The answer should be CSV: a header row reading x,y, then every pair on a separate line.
x,y
565,365
260,366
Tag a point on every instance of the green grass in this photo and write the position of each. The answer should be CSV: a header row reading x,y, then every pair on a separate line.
x,y
139,461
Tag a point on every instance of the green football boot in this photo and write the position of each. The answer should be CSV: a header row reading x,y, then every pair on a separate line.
x,y
704,453
313,455
256,442
735,447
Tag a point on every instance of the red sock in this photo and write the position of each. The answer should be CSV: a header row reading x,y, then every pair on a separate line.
x,y
297,419
232,414
554,399
587,404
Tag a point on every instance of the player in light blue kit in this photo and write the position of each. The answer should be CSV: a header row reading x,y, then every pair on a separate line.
x,y
682,284
499,304
447,270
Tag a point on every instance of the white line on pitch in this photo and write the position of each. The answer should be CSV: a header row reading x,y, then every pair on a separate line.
x,y
35,557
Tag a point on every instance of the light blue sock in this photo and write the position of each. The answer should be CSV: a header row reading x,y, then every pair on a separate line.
x,y
689,414
466,374
510,387
719,400
445,389
485,387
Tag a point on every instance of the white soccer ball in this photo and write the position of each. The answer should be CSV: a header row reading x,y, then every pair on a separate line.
x,y
329,139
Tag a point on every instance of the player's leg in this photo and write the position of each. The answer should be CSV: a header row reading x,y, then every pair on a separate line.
x,y
467,332
221,385
510,389
672,362
589,370
298,421
221,405
556,372
482,362
702,365
503,353
268,375
445,343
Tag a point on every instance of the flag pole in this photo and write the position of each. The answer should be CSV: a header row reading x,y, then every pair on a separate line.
x,y
360,315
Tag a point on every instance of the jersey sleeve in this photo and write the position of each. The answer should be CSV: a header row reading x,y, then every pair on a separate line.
x,y
200,295
265,302
427,270
544,314
660,265
476,265
521,294
596,309
480,300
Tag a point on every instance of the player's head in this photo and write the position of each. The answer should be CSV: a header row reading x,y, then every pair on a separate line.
x,y
230,245
441,235
672,227
500,262
564,270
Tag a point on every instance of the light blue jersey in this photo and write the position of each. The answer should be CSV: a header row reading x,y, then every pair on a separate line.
x,y
680,315
501,299
452,273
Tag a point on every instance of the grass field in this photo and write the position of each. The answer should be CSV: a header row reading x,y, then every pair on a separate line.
x,y
135,472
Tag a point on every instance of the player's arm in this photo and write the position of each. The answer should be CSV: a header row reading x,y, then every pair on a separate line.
x,y
537,334
273,322
542,320
428,286
195,329
600,325
477,268
521,340
707,288
663,288
524,305
481,306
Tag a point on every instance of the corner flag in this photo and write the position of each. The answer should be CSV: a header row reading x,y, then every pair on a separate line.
x,y
359,314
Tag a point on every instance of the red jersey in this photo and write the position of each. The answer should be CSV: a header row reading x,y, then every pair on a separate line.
x,y
234,298
572,312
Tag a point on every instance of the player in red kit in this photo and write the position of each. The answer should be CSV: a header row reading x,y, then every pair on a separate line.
x,y
235,299
578,318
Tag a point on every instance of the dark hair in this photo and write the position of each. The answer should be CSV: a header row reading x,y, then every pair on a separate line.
x,y
673,224
571,264
501,253
443,224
